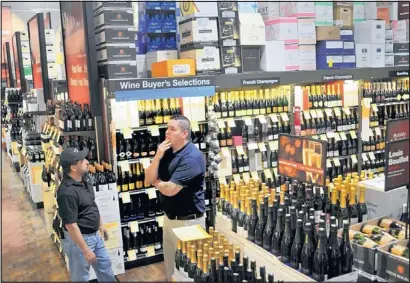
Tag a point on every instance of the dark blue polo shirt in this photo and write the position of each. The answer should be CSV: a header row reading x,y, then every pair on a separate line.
x,y
185,167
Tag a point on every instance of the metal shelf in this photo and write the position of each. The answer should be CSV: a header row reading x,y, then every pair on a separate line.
x,y
138,191
391,103
124,223
90,134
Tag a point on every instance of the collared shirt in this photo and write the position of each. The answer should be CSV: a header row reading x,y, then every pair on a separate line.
x,y
185,167
76,202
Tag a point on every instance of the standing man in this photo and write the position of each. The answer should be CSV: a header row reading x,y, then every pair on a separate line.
x,y
81,220
178,172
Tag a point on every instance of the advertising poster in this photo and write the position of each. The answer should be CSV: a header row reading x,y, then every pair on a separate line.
x,y
35,53
16,68
303,159
397,129
74,35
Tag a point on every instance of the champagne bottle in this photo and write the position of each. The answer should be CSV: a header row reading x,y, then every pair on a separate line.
x,y
320,259
296,250
166,112
269,228
252,222
286,243
198,273
278,233
193,264
343,214
260,226
159,117
334,254
235,214
353,211
178,254
346,250
308,251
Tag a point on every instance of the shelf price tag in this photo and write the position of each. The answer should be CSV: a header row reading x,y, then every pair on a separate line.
x,y
221,124
274,118
346,110
150,251
372,156
328,112
239,149
284,117
222,180
255,176
145,162
354,158
152,193
262,119
337,112
231,123
154,130
336,161
343,136
378,131
160,220
268,174
306,114
125,166
328,163
134,228
319,113
236,178
313,113
132,255
248,121
262,146
364,157
323,137
330,135
315,137
337,137
125,197
252,145
246,177
353,134
225,151
195,126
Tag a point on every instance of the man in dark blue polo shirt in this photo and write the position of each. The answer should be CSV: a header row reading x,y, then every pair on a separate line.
x,y
178,171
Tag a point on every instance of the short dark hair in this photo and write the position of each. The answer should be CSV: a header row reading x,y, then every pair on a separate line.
x,y
184,123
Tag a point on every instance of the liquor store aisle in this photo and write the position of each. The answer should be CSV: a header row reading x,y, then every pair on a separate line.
x,y
28,253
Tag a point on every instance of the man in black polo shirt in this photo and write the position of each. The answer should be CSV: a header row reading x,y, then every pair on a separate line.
x,y
178,171
81,220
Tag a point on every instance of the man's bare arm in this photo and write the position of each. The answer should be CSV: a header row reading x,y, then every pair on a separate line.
x,y
168,188
151,173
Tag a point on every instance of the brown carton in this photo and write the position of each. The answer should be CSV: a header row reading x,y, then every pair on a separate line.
x,y
343,15
327,33
391,267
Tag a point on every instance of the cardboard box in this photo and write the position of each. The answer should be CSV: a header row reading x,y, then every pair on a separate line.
x,y
250,59
307,57
370,9
329,47
229,30
349,61
378,57
358,12
203,8
343,15
401,59
403,10
116,53
50,36
348,48
391,267
329,62
383,13
248,7
400,31
115,36
111,4
285,29
389,60
114,18
324,13
117,70
389,34
268,10
198,31
231,60
158,56
173,68
142,66
327,33
388,46
278,56
346,35
207,58
300,9
306,31
251,29
363,55
371,31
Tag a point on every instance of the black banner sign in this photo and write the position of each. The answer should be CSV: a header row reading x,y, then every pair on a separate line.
x,y
396,74
260,82
337,77
397,164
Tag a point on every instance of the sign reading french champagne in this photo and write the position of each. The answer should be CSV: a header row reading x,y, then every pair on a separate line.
x,y
303,159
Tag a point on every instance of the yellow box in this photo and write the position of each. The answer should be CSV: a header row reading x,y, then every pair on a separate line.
x,y
173,68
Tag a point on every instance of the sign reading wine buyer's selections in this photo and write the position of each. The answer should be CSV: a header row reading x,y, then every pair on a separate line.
x,y
260,82
302,158
397,154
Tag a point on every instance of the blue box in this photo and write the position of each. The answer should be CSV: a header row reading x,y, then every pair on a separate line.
x,y
349,48
141,43
329,47
168,41
169,23
153,21
346,35
154,42
142,24
168,5
149,5
322,61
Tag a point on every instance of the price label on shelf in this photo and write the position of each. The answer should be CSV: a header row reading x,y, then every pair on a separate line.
x,y
134,228
353,134
225,151
328,163
154,130
222,180
313,113
236,178
248,121
252,145
346,110
152,193
239,149
221,124
125,166
132,255
374,107
268,174
329,112
336,161
378,131
315,137
255,176
125,197
372,156
337,112
160,220
364,157
145,162
262,119
354,158
246,177
306,114
330,135
274,118
337,137
284,117
262,146
343,136
150,251
195,126
231,123
323,137
319,113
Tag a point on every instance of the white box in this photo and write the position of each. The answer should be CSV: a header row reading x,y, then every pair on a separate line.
x,y
278,56
302,9
400,31
203,8
389,34
349,59
198,109
358,12
108,205
50,36
141,66
370,10
307,31
363,55
251,29
158,56
268,10
378,55
285,29
247,7
207,59
324,13
388,46
307,57
371,31
201,30
52,70
394,11
389,60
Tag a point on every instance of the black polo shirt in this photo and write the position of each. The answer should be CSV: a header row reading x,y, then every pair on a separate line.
x,y
185,167
76,202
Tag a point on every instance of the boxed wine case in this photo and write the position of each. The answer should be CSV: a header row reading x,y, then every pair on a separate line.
x,y
391,267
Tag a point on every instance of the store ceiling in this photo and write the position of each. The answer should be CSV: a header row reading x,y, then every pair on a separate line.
x,y
35,7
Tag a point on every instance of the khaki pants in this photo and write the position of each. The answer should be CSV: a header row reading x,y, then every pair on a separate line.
x,y
170,240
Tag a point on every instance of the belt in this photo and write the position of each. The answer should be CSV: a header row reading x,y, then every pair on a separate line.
x,y
186,217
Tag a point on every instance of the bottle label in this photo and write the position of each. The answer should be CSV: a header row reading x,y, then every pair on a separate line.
x,y
112,186
317,216
90,123
158,246
118,188
77,124
102,188
354,220
69,124
274,164
95,189
203,145
132,186
129,153
143,249
246,168
124,188
61,124
364,217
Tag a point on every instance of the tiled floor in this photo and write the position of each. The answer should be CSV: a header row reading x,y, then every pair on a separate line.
x,y
28,254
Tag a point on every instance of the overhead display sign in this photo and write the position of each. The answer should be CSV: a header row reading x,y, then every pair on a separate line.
x,y
260,82
397,130
337,77
396,74
302,158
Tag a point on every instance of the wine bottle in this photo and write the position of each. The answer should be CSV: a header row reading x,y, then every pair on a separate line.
x,y
269,229
343,213
278,233
346,250
320,258
241,218
353,211
193,264
252,222
388,223
246,219
286,243
296,250
334,254
198,273
308,251
235,214
102,181
260,226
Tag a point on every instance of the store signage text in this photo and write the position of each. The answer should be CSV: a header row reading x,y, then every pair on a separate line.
x,y
260,82
146,84
337,77
399,74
